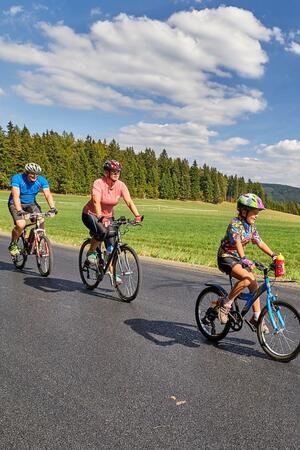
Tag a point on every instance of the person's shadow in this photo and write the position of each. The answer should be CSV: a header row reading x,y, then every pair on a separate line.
x,y
54,285
164,333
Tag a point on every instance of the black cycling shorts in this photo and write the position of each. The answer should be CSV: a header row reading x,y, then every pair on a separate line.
x,y
226,263
27,207
98,230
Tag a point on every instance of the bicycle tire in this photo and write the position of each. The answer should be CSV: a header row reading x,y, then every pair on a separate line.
x,y
126,267
44,256
284,345
19,261
90,275
207,316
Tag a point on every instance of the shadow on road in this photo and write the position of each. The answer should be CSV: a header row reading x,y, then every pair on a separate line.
x,y
176,333
9,267
164,333
53,285
242,347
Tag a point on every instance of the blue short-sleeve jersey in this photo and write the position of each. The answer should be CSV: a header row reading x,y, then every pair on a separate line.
x,y
28,189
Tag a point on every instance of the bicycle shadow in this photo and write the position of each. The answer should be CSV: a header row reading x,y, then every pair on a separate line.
x,y
9,267
157,330
57,285
239,347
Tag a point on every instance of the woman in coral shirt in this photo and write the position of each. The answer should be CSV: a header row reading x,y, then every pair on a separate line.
x,y
98,213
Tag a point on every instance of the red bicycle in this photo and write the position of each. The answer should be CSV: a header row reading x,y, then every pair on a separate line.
x,y
36,243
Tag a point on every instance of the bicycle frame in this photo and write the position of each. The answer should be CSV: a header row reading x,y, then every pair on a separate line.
x,y
36,229
251,297
111,254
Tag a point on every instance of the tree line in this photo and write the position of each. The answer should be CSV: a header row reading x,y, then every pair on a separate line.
x,y
71,165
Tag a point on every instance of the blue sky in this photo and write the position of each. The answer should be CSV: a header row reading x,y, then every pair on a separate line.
x,y
213,81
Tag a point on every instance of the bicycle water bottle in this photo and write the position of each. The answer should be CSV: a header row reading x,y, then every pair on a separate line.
x,y
279,266
107,252
109,249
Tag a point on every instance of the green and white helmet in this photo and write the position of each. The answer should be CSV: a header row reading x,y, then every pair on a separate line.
x,y
250,201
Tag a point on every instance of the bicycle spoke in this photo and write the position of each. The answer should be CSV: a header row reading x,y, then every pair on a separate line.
x,y
281,344
127,273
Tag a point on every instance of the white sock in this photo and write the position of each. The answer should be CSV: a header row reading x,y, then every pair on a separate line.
x,y
256,315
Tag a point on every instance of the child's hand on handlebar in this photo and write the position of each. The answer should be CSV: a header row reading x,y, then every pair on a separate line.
x,y
248,263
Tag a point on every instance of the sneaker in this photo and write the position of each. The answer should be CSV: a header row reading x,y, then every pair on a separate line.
x,y
254,323
223,312
91,258
13,249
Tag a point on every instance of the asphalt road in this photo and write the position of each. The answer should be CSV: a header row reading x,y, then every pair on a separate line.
x,y
82,370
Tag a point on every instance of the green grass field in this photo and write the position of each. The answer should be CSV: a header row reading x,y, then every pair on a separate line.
x,y
175,230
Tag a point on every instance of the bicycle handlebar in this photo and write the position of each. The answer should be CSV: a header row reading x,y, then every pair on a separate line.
x,y
260,266
123,221
263,268
36,216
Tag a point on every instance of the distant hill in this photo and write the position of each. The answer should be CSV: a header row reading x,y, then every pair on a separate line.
x,y
282,192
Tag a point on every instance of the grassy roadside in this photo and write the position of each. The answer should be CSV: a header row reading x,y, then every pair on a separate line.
x,y
175,230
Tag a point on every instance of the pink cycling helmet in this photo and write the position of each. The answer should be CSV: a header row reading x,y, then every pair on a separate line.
x,y
112,164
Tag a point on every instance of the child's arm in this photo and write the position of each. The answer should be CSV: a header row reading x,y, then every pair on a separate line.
x,y
264,247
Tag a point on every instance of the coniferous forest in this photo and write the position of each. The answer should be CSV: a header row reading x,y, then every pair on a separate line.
x,y
71,165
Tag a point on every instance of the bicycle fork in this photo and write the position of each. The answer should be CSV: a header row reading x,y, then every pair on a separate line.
x,y
276,319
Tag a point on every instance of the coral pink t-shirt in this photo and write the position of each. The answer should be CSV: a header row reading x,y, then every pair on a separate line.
x,y
110,196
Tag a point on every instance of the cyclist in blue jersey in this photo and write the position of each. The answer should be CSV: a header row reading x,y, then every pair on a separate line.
x,y
22,200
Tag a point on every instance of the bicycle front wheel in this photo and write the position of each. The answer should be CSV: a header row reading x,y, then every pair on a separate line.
x,y
90,274
283,343
20,259
206,312
44,258
126,273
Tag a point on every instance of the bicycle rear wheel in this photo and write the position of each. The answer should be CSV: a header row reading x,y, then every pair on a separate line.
x,y
91,275
19,260
126,273
44,258
206,312
284,344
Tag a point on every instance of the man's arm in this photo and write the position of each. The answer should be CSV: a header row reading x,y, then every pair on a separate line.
x,y
15,192
49,198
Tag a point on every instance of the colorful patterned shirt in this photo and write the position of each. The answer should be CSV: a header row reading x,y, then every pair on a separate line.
x,y
238,230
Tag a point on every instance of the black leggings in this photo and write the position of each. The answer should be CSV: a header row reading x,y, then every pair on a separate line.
x,y
98,230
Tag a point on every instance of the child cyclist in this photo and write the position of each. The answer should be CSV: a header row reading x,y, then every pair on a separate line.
x,y
231,254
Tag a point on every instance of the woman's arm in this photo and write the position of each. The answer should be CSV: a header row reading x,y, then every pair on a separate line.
x,y
96,199
129,202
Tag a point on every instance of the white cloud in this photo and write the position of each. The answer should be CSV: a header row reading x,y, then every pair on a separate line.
x,y
293,47
180,76
96,11
1,91
278,35
164,67
13,10
176,138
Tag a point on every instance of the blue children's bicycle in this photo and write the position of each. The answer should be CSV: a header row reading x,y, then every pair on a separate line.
x,y
281,343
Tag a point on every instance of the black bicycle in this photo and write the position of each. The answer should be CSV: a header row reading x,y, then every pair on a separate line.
x,y
281,342
122,264
36,243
